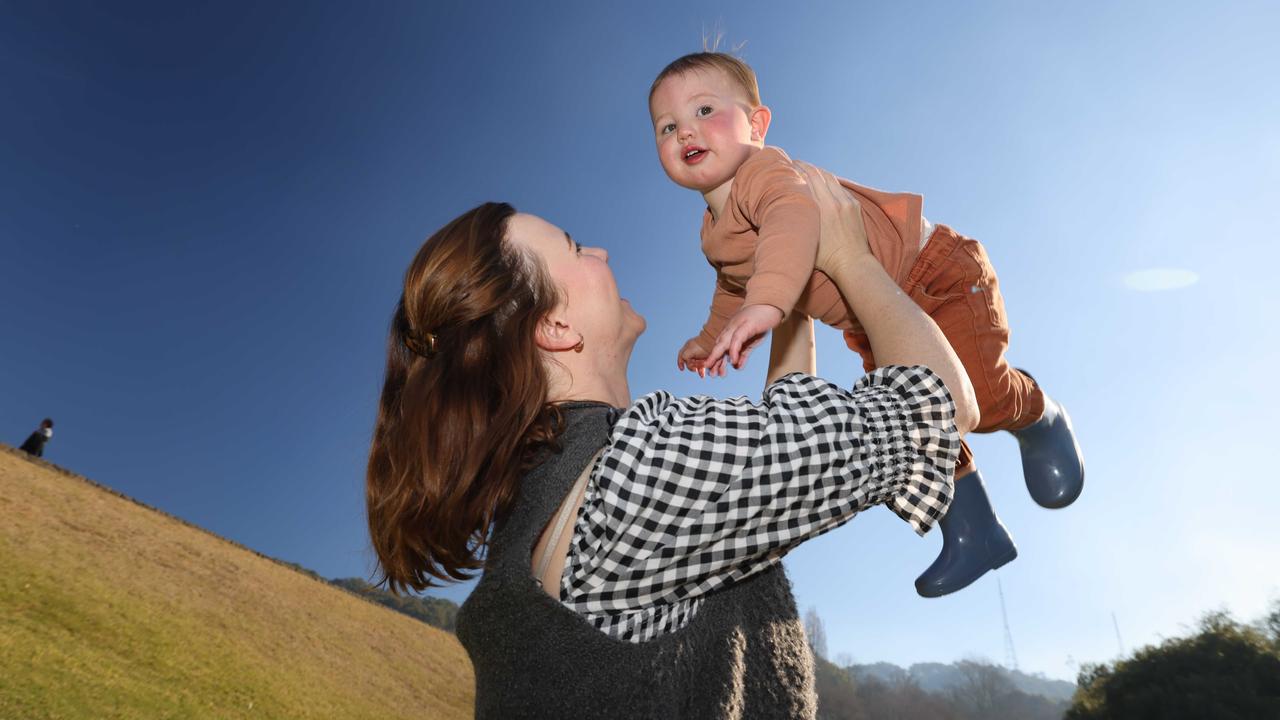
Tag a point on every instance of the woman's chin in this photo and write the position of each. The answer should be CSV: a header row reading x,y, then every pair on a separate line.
x,y
636,318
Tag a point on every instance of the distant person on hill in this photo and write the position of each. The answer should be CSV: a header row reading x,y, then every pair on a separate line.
x,y
35,442
632,548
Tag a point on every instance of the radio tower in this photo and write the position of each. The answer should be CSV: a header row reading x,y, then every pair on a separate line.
x,y
1116,624
1010,655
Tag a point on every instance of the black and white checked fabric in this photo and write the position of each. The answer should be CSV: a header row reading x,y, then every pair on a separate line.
x,y
693,494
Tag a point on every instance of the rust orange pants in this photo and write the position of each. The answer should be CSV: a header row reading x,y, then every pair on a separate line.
x,y
953,281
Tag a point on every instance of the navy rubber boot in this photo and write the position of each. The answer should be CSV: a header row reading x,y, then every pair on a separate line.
x,y
1051,460
973,541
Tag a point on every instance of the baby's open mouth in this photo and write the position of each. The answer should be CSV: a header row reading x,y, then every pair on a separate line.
x,y
693,154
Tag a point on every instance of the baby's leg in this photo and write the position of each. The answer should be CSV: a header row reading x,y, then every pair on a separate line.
x,y
973,538
957,286
955,283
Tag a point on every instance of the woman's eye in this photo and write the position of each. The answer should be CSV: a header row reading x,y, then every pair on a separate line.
x,y
577,247
704,110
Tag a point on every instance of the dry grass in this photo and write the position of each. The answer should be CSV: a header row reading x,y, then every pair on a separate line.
x,y
109,609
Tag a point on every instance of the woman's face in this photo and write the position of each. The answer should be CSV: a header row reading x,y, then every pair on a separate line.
x,y
589,294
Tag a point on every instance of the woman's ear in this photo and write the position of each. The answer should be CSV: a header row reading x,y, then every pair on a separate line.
x,y
759,119
555,334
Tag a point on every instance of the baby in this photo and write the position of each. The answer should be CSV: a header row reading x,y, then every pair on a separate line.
x,y
760,233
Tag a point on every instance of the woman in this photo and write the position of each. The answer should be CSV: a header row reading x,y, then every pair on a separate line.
x,y
631,550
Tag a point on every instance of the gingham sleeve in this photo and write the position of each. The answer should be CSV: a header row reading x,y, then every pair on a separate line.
x,y
693,494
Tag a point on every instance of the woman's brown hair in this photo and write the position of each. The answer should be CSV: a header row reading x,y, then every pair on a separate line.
x,y
464,401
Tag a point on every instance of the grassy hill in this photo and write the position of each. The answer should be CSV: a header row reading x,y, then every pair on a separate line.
x,y
111,609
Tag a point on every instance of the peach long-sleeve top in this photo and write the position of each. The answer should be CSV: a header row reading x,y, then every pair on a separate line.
x,y
765,241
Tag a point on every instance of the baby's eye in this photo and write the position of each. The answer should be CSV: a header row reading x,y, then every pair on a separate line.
x,y
668,128
704,110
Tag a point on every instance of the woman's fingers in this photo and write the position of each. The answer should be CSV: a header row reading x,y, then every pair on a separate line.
x,y
817,183
826,186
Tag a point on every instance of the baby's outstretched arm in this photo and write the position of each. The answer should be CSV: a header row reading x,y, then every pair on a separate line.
x,y
777,201
743,333
693,355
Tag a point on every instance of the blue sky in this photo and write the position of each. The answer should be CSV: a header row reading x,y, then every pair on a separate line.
x,y
205,213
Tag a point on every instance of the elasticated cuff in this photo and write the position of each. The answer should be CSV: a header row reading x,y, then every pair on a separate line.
x,y
923,444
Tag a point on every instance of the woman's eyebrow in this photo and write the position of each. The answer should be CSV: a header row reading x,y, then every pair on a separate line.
x,y
569,240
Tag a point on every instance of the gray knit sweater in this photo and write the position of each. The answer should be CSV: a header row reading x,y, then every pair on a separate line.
x,y
744,654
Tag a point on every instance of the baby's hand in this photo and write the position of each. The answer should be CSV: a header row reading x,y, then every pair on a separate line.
x,y
693,357
743,333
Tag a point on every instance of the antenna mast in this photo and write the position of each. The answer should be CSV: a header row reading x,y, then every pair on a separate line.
x,y
1011,655
1116,624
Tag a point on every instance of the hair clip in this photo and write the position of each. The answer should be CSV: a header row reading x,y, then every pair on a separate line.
x,y
424,346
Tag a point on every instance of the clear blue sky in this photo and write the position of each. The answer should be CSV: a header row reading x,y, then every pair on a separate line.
x,y
205,213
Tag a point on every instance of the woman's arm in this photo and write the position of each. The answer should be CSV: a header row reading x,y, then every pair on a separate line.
x,y
792,348
899,331
696,493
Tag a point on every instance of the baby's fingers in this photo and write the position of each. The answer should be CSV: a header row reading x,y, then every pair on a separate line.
x,y
717,353
740,335
719,369
715,364
698,365
741,345
746,350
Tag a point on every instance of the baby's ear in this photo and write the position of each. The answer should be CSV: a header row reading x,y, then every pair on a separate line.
x,y
759,119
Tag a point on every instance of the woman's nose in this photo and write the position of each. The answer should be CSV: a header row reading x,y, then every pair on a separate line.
x,y
600,253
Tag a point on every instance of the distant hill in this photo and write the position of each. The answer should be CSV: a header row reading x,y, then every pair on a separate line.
x,y
937,677
111,609
433,611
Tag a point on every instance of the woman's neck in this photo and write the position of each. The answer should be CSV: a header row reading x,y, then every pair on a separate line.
x,y
578,378
615,396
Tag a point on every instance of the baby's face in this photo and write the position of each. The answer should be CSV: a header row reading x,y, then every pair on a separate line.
x,y
702,128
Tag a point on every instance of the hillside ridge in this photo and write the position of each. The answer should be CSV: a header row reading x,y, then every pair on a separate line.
x,y
48,465
111,608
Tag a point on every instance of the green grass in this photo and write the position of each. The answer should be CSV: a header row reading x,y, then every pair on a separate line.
x,y
109,609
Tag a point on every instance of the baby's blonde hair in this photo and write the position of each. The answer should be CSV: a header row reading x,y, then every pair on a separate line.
x,y
737,71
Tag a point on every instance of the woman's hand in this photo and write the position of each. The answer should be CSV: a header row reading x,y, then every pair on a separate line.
x,y
899,331
842,235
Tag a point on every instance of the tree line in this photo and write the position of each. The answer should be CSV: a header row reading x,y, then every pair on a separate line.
x,y
1222,670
